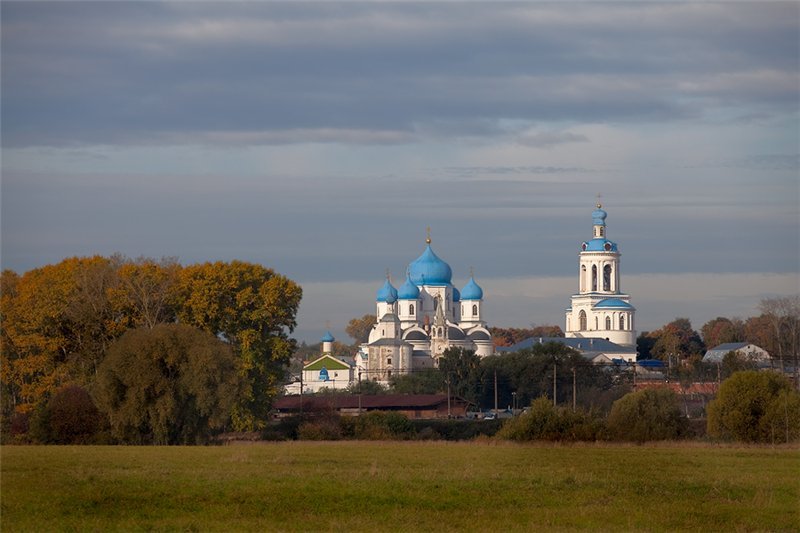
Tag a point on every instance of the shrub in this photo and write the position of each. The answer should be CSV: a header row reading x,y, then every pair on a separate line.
x,y
650,414
381,425
543,421
755,406
320,429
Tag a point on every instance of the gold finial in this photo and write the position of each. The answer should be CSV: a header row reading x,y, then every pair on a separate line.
x,y
328,324
388,275
428,235
599,205
471,272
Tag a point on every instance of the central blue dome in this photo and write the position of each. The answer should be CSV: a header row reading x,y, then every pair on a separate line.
x,y
428,269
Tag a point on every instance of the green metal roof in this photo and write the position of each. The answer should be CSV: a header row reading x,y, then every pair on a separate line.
x,y
327,361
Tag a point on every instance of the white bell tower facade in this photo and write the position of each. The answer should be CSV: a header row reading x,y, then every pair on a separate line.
x,y
600,309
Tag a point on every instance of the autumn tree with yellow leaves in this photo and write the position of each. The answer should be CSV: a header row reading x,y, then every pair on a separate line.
x,y
58,322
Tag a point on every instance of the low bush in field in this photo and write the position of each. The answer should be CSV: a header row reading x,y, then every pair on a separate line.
x,y
650,414
543,421
434,429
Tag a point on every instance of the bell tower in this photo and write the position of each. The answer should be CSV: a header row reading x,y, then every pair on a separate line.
x,y
600,309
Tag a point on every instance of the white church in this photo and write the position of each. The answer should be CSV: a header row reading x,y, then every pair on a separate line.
x,y
418,321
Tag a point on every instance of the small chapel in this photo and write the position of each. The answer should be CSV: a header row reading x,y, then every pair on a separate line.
x,y
418,321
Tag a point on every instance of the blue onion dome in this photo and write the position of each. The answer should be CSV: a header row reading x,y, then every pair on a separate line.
x,y
471,291
456,295
327,337
428,269
408,290
599,216
387,293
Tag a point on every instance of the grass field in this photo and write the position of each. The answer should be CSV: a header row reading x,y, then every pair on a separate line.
x,y
402,486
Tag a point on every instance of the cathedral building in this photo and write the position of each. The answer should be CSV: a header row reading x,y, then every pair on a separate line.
x,y
418,321
600,309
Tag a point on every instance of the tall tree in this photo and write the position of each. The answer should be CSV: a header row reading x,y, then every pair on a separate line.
x,y
783,314
677,339
253,309
722,330
359,328
459,368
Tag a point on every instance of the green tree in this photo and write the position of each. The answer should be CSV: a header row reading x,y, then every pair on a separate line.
x,y
359,328
649,414
754,406
171,384
425,381
678,340
253,309
460,368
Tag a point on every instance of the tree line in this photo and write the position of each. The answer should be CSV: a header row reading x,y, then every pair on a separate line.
x,y
157,346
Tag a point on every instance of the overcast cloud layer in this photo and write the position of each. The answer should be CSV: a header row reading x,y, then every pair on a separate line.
x,y
321,139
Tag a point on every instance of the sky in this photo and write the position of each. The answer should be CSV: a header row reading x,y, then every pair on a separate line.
x,y
322,139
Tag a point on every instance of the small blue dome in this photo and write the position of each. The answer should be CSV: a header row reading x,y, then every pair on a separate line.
x,y
387,293
599,216
408,291
471,291
327,337
428,269
456,295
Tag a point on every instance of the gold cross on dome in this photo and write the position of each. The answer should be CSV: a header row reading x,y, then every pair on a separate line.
x,y
428,235
599,196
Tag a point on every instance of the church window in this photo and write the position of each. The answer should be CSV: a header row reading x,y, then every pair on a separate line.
x,y
474,309
596,323
411,309
435,304
608,322
621,321
388,360
602,232
441,332
388,374
594,278
582,319
583,278
607,278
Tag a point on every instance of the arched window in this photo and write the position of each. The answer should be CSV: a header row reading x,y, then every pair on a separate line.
x,y
594,278
583,278
608,322
596,323
621,321
411,309
582,319
607,278
474,309
441,332
435,304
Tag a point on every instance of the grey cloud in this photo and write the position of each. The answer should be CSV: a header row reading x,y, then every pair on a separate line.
x,y
546,139
278,72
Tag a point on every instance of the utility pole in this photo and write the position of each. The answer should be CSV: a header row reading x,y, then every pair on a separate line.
x,y
448,395
301,391
574,388
495,392
359,392
554,381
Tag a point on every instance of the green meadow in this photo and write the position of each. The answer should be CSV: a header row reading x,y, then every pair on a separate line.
x,y
400,486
